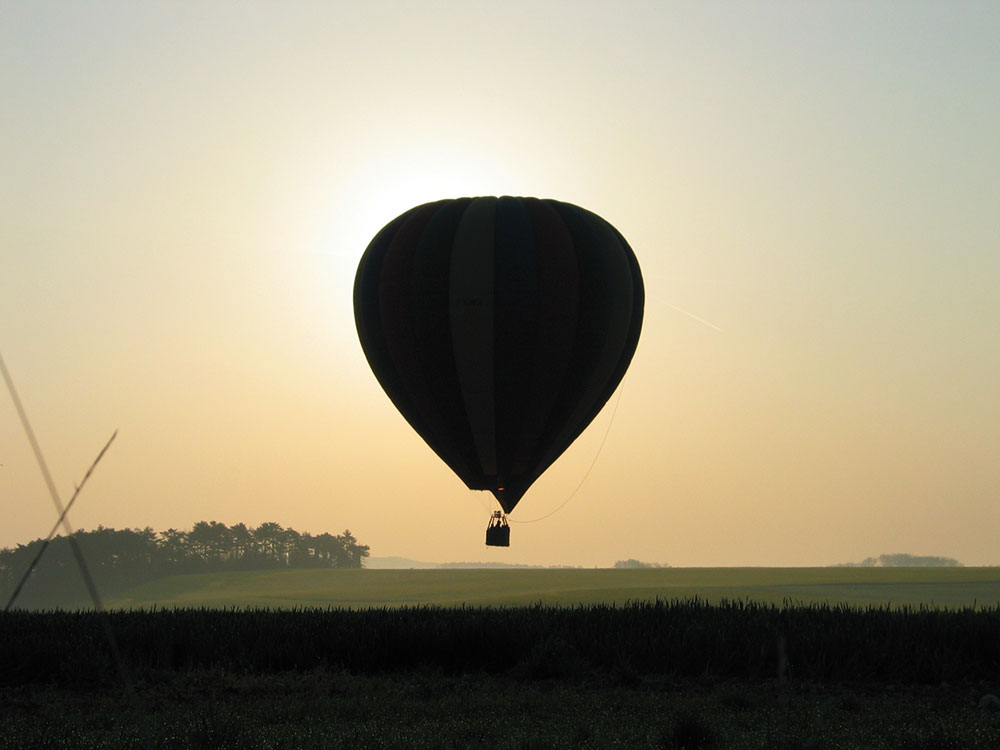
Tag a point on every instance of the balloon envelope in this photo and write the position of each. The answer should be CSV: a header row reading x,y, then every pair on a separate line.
x,y
499,327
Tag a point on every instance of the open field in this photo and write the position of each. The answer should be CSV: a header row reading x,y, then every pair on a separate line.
x,y
359,589
390,658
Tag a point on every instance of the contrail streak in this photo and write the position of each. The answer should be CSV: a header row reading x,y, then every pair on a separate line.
x,y
692,315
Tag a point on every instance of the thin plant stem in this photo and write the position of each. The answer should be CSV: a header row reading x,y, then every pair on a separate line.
x,y
77,552
55,526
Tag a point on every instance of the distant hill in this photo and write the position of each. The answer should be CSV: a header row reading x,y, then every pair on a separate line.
x,y
404,563
396,563
633,563
901,560
490,565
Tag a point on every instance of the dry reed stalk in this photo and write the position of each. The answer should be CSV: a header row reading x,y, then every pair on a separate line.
x,y
64,521
57,524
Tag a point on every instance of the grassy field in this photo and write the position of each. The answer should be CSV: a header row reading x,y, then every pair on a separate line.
x,y
359,589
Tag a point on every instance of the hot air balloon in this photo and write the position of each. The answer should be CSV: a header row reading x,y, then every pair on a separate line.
x,y
499,327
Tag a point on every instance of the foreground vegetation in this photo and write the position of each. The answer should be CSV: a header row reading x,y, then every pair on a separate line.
x,y
692,639
666,675
320,709
894,658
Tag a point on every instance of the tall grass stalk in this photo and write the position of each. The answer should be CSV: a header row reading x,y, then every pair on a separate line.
x,y
62,510
56,525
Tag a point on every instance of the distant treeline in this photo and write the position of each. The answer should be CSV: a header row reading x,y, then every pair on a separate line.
x,y
631,563
118,559
904,561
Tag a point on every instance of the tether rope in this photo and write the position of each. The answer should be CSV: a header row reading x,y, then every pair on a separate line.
x,y
590,468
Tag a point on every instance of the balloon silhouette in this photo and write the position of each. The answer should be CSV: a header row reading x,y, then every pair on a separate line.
x,y
499,327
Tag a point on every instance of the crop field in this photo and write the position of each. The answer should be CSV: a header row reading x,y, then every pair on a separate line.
x,y
898,659
359,589
678,675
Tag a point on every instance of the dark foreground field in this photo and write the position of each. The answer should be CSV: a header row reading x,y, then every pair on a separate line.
x,y
684,674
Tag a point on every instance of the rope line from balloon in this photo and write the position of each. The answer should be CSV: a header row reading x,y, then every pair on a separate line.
x,y
593,463
484,503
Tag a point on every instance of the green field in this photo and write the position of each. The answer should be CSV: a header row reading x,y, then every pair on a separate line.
x,y
358,589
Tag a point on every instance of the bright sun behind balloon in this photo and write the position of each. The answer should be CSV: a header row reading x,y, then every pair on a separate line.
x,y
352,200
369,194
399,182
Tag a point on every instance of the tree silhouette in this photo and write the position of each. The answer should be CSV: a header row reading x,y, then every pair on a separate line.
x,y
268,538
122,558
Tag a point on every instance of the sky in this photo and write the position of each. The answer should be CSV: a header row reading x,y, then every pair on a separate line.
x,y
811,190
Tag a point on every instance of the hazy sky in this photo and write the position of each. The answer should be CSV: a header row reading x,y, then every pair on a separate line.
x,y
186,190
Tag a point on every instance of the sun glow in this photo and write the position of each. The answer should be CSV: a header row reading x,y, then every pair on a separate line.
x,y
353,201
421,175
